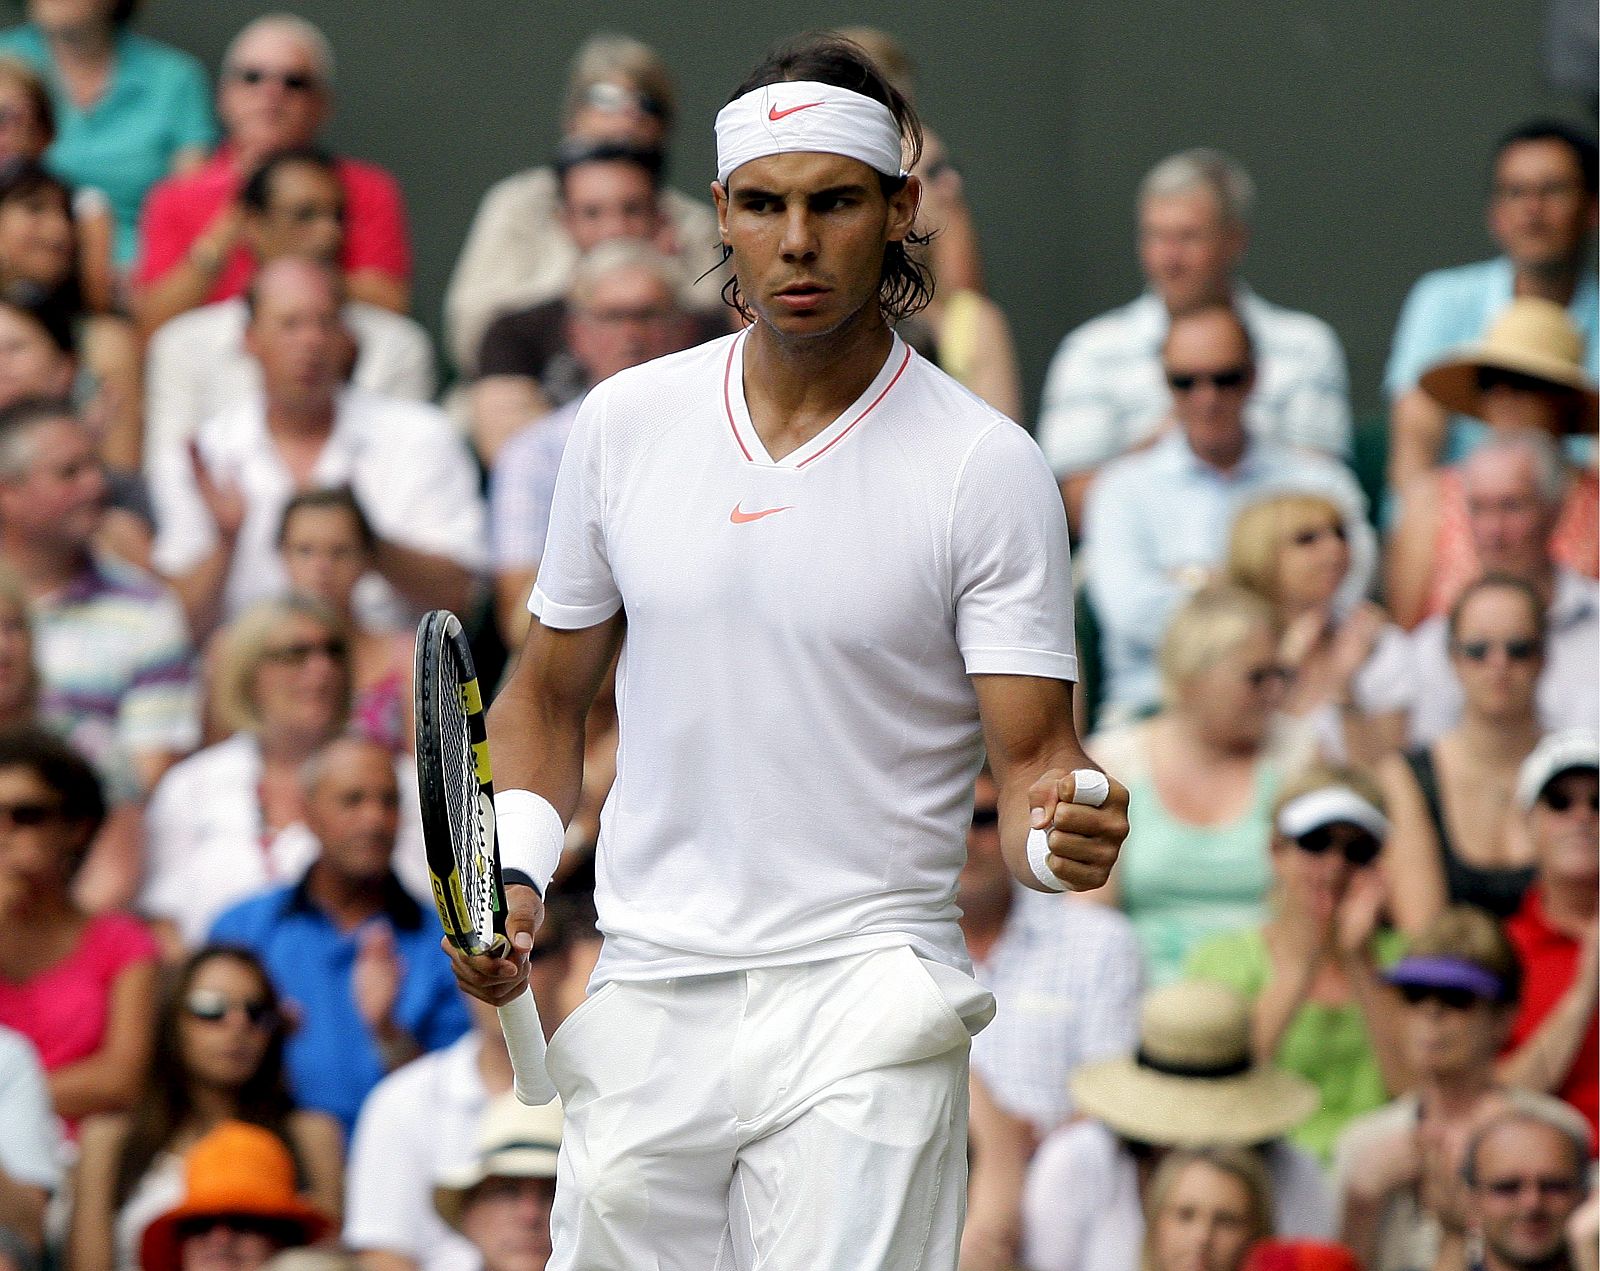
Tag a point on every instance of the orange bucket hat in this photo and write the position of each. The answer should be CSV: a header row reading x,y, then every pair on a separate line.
x,y
237,1169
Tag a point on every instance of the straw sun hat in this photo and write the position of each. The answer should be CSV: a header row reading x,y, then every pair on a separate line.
x,y
1192,1081
515,1141
1531,337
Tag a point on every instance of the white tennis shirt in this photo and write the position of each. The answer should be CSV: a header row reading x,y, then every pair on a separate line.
x,y
799,735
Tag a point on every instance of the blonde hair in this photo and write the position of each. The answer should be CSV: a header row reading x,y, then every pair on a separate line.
x,y
1240,1163
1469,934
1262,529
1215,621
1319,776
242,648
607,57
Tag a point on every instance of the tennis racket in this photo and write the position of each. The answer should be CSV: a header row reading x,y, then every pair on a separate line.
x,y
457,791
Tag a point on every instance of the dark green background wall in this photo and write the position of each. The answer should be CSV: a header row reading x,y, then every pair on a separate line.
x,y
1365,124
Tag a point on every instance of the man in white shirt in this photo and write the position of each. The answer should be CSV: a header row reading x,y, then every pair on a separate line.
x,y
841,575
1104,394
197,364
219,501
1515,486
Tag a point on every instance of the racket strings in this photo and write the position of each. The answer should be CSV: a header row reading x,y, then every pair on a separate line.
x,y
469,831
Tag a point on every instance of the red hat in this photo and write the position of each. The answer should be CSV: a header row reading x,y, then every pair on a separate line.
x,y
1300,1255
238,1169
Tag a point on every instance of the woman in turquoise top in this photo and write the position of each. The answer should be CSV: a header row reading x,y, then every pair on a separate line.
x,y
1319,1006
1202,777
129,110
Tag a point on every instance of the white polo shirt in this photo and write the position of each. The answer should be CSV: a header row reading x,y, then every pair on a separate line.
x,y
799,733
408,466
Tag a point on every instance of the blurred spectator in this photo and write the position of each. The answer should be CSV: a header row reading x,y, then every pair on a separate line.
x,y
1555,1041
347,944
82,989
1105,393
1525,375
292,205
1206,1207
1190,1084
1394,1167
113,651
621,310
1156,523
1525,1177
501,1203
1456,839
327,545
29,1147
421,1123
128,110
1513,485
1542,216
522,246
1300,1255
276,93
323,1258
220,502
1066,975
239,1206
1352,680
218,1057
1204,775
1311,973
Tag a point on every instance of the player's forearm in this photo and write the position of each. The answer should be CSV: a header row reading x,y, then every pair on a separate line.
x,y
536,740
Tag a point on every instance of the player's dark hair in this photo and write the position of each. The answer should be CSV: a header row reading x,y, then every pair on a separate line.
x,y
577,153
67,773
338,498
905,284
1581,144
256,194
167,1102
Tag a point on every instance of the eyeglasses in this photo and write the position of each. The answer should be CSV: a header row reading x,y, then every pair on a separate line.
x,y
1547,1187
28,816
1360,849
302,651
1516,650
1306,537
291,81
1492,377
614,97
1561,801
985,818
214,1007
1452,999
1230,377
1261,677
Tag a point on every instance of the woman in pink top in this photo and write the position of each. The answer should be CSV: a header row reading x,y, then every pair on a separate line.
x,y
81,988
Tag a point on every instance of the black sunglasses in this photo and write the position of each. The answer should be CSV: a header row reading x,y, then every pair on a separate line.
x,y
1262,676
1516,650
1453,999
214,1007
1185,381
292,81
1361,849
302,651
1307,537
28,816
985,818
1555,800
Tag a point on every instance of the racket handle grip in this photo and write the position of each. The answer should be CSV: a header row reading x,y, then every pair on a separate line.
x,y
519,1021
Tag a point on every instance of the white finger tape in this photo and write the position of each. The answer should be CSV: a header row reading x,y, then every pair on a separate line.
x,y
1039,860
1093,788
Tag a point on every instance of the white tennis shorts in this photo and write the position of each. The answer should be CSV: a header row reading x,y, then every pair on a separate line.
x,y
797,1118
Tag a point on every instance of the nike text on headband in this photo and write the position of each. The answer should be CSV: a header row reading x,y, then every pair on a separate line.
x,y
802,115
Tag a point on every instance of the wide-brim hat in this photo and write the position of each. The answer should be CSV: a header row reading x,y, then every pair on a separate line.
x,y
237,1170
1530,337
516,1141
1192,1081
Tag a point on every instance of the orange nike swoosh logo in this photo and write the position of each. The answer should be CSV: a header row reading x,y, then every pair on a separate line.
x,y
774,114
740,517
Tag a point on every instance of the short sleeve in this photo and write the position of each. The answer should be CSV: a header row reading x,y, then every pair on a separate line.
x,y
121,941
29,1142
1010,561
377,238
576,588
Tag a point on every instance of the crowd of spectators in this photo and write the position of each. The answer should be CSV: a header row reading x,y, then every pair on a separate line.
x,y
1337,1005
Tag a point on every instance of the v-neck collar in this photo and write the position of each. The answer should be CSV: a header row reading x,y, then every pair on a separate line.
x,y
754,450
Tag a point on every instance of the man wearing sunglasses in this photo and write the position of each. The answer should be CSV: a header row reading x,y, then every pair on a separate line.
x,y
275,93
1156,522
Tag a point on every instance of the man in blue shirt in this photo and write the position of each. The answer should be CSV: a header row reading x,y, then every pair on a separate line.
x,y
1156,522
1542,213
356,958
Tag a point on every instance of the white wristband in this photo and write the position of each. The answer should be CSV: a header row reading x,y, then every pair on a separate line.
x,y
531,835
1090,788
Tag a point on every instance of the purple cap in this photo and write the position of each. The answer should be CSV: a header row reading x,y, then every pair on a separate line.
x,y
1447,973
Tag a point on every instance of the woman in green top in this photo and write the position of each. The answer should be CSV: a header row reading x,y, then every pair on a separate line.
x,y
1312,971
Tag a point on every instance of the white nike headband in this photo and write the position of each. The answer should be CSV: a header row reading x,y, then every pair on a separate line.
x,y
803,115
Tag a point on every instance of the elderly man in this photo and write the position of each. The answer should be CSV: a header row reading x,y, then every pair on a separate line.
x,y
622,310
501,1202
276,93
347,943
1515,485
292,206
1542,212
1525,1176
1104,394
218,504
1156,523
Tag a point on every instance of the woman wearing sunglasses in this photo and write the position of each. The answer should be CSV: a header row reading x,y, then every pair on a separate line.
x,y
1398,1167
1311,972
1456,839
218,1057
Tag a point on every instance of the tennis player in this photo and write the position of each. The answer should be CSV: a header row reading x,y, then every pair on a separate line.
x,y
839,575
